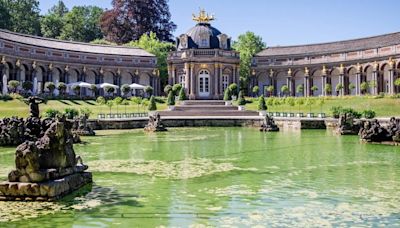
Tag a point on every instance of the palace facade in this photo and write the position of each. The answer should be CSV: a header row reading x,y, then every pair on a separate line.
x,y
204,62
352,67
41,60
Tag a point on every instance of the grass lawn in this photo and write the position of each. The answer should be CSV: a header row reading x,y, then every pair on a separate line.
x,y
19,108
384,107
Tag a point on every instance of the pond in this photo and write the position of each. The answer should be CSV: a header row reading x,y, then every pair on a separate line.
x,y
223,177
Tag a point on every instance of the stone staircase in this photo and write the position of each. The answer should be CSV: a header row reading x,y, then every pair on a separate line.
x,y
207,108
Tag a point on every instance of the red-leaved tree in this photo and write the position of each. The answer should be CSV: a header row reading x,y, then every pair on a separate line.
x,y
129,19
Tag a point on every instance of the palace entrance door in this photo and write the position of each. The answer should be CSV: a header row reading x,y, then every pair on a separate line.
x,y
204,84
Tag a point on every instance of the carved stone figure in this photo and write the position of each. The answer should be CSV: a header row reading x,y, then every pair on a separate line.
x,y
46,163
81,127
372,131
34,102
155,124
269,124
347,125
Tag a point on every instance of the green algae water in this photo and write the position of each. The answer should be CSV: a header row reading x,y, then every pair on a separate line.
x,y
223,177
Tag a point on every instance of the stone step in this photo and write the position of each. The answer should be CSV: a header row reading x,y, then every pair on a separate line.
x,y
204,102
209,113
190,108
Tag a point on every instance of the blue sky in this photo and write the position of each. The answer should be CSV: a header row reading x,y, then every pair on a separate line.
x,y
283,22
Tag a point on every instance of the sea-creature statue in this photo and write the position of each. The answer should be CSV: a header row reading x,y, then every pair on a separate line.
x,y
81,127
269,124
372,131
347,125
155,124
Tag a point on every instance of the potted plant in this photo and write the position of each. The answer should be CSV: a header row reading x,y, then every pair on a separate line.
x,y
233,88
339,88
262,107
314,89
285,90
171,101
241,102
328,89
256,90
227,97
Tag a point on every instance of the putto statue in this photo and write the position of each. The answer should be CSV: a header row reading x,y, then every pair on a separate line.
x,y
373,132
47,167
81,127
269,124
34,102
155,124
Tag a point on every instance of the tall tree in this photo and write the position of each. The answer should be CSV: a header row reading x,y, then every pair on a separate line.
x,y
129,19
248,45
53,23
5,17
82,24
158,48
23,16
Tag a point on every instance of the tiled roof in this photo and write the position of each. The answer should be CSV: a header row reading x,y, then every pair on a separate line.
x,y
72,46
334,47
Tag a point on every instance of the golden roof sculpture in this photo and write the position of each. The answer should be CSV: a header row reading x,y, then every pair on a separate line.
x,y
203,17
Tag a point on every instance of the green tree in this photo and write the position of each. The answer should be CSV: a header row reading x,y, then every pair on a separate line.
x,y
5,17
149,90
256,90
248,45
182,94
364,87
118,101
314,88
270,90
52,23
62,87
300,89
299,102
152,105
321,102
261,104
82,24
50,86
109,104
397,82
291,102
103,42
13,85
125,89
328,88
137,101
23,15
309,102
100,101
171,99
158,48
285,90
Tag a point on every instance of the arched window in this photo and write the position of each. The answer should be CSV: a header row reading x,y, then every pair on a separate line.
x,y
225,82
182,80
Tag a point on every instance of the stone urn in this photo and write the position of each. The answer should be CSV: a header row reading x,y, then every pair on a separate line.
x,y
228,103
262,112
171,107
241,108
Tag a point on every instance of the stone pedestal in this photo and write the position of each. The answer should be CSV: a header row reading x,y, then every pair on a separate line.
x,y
45,191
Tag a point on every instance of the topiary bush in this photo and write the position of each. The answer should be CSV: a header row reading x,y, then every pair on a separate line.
x,y
261,104
369,114
167,88
336,110
171,99
176,88
227,95
71,113
241,100
182,94
51,113
152,104
233,88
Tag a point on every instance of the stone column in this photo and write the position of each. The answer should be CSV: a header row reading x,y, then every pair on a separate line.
x,y
358,83
220,78
323,85
170,76
216,77
391,82
187,77
234,74
306,86
375,79
192,83
173,77
341,81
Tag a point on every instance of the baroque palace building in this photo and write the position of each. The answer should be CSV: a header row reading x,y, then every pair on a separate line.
x,y
314,67
204,62
41,60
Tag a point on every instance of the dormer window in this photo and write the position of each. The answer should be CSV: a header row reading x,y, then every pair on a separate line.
x,y
223,41
204,41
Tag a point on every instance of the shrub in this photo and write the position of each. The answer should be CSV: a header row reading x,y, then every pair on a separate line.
x,y
364,87
93,88
109,90
71,113
76,89
270,101
101,100
256,90
381,95
171,98
227,95
233,88
182,94
27,85
50,86
270,89
13,85
339,86
51,113
328,88
261,103
351,112
149,90
176,88
152,105
336,110
314,88
352,86
160,100
86,111
167,88
285,89
5,97
300,89
369,114
241,100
